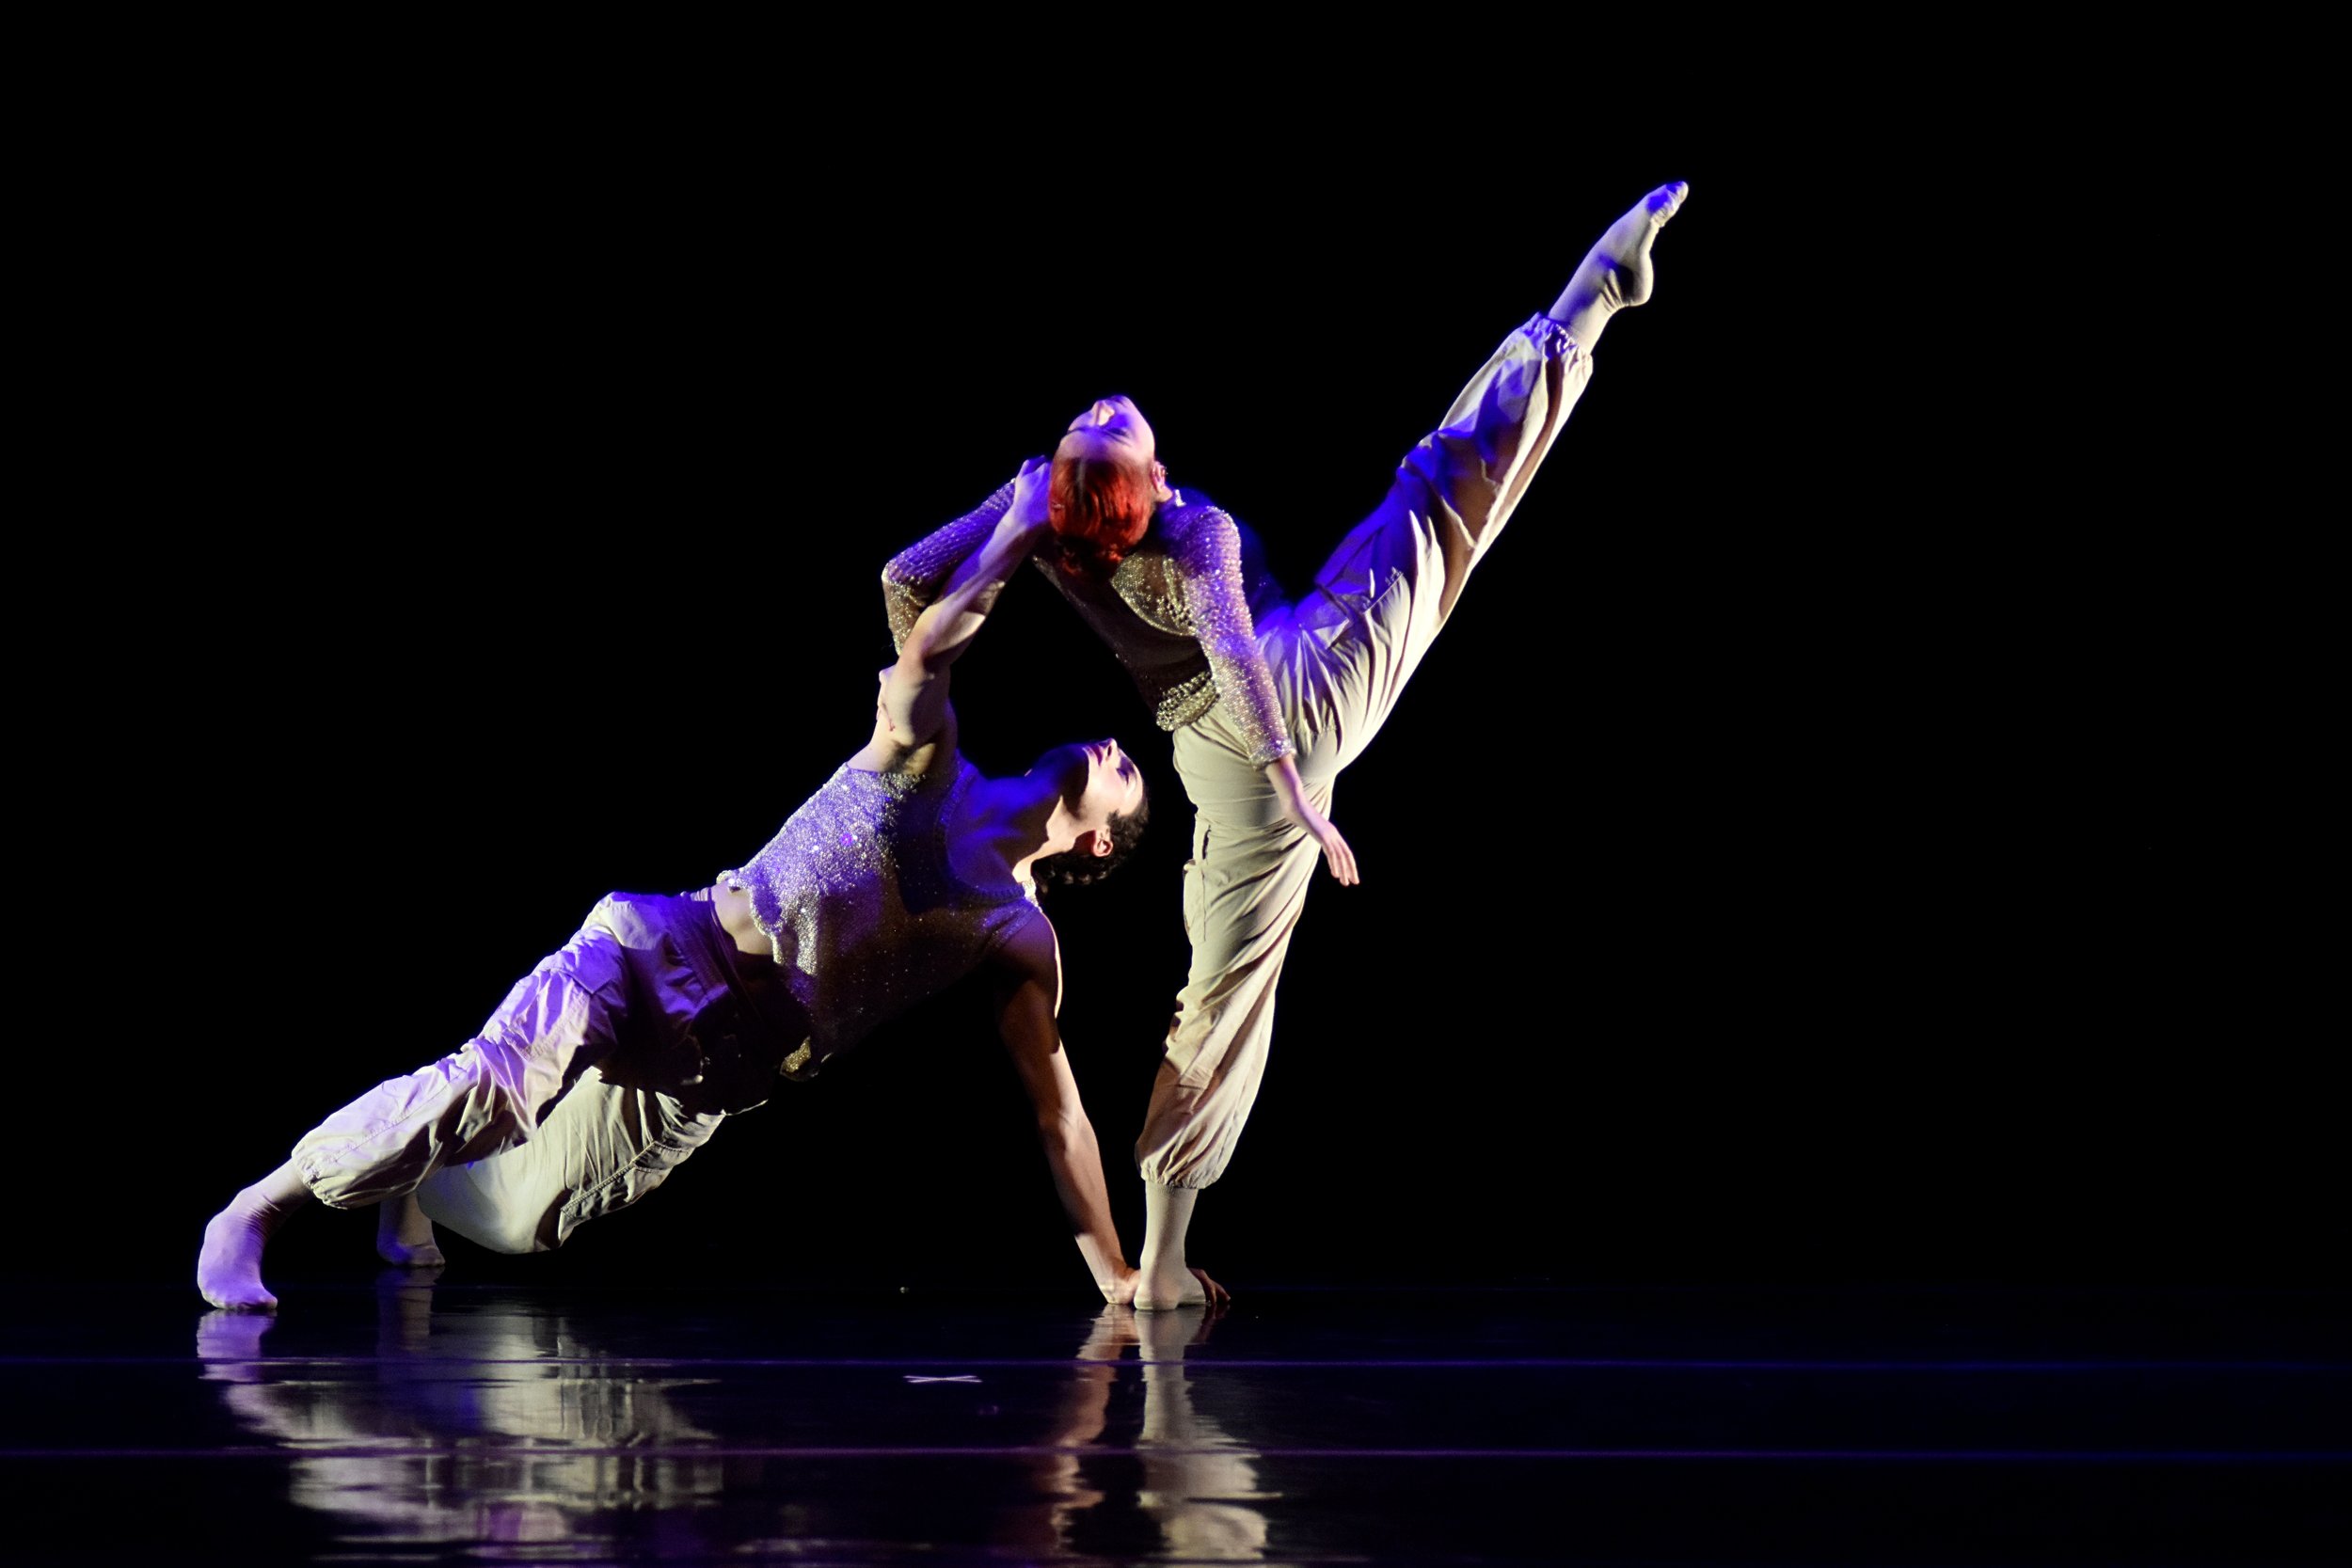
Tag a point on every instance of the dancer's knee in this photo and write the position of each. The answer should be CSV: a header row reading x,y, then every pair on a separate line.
x,y
484,1211
382,1144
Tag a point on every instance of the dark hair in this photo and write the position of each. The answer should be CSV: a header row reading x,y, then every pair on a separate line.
x,y
1100,508
1071,868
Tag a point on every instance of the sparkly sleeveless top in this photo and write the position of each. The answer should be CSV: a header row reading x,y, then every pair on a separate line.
x,y
1180,611
861,908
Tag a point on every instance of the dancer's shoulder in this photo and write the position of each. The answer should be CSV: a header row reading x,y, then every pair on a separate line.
x,y
1189,506
1031,950
1189,523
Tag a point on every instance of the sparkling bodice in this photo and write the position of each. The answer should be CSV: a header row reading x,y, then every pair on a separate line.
x,y
863,910
1179,611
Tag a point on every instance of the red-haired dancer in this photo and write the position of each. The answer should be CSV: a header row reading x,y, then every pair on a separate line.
x,y
1268,700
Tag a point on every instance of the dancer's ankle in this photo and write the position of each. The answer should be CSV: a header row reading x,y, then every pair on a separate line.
x,y
228,1266
1616,275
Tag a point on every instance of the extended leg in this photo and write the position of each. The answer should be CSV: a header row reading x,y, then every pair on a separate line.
x,y
1616,272
1387,591
372,1151
469,1104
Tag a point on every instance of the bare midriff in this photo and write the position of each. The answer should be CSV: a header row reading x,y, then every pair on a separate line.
x,y
735,913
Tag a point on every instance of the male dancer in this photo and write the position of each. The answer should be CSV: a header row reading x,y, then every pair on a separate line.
x,y
618,1056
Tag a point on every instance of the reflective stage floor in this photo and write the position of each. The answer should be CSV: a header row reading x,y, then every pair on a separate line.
x,y
418,1423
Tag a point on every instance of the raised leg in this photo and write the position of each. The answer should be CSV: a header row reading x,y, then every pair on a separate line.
x,y
1378,604
1616,272
1341,661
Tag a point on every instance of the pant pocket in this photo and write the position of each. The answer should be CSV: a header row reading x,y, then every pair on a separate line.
x,y
1196,880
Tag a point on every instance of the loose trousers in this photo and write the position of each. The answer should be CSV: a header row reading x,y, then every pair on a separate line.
x,y
605,1067
1340,658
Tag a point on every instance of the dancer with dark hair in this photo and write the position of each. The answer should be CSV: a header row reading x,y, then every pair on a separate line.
x,y
619,1055
1268,700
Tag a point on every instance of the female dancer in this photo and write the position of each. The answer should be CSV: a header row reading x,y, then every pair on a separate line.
x,y
1268,701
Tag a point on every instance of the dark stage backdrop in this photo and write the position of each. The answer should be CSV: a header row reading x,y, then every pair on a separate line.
x,y
1796,862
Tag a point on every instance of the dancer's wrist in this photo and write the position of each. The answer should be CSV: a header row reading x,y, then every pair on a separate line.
x,y
1109,1267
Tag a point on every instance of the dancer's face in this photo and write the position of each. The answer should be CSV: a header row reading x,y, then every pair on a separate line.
x,y
1111,429
1098,782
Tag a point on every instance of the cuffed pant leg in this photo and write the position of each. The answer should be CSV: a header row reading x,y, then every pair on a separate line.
x,y
1466,478
602,1148
481,1098
1243,891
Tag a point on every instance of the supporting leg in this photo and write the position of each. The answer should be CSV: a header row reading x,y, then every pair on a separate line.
x,y
229,1269
404,1236
1243,891
1165,1281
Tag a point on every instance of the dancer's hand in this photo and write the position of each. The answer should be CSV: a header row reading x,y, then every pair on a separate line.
x,y
1120,1290
1031,508
1282,773
1218,1295
1336,854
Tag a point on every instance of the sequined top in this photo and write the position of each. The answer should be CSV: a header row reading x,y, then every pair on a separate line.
x,y
863,909
1180,611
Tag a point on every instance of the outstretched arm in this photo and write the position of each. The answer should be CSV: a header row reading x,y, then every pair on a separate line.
x,y
1028,997
912,710
913,578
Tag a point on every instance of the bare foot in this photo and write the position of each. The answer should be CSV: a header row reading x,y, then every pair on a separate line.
x,y
228,1270
1616,272
404,1236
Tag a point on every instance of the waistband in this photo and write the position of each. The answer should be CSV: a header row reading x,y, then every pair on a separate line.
x,y
745,1032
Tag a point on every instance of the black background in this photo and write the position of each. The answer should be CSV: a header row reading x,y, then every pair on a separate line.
x,y
1829,843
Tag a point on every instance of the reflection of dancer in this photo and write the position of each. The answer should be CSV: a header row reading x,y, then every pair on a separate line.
x,y
1199,1484
416,1445
618,1056
1269,699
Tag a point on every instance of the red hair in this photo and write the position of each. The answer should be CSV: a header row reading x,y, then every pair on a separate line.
x,y
1100,510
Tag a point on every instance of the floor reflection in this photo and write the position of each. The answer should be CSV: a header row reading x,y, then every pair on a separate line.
x,y
494,1424
420,1444
1192,1481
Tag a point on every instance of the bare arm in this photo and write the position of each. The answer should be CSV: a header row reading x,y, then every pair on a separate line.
x,y
913,711
1029,995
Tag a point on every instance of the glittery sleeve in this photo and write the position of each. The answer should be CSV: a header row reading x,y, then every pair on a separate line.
x,y
917,573
1204,547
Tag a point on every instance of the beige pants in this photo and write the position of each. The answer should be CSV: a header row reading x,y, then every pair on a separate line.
x,y
606,1065
1340,658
